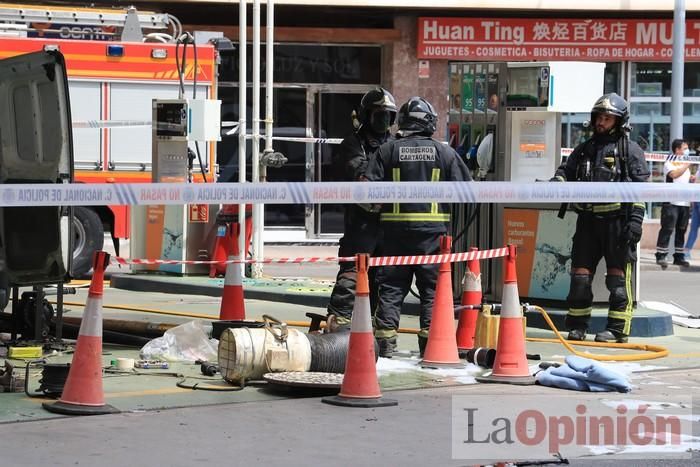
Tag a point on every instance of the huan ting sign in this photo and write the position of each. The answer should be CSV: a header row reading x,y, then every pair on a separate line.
x,y
605,40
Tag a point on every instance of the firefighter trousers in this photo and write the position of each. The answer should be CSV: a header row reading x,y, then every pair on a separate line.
x,y
395,281
361,235
597,238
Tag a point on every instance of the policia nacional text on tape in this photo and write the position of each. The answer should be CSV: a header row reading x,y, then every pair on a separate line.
x,y
82,194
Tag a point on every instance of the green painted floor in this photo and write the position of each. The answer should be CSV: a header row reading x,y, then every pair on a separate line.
x,y
154,389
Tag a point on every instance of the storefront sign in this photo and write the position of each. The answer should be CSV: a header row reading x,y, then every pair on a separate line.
x,y
605,40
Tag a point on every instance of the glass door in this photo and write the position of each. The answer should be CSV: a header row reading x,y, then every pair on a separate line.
x,y
290,110
334,110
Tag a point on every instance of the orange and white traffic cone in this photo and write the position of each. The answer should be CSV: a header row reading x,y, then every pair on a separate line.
x,y
83,393
441,350
232,303
511,360
471,296
360,386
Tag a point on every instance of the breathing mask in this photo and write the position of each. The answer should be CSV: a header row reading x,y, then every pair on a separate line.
x,y
380,121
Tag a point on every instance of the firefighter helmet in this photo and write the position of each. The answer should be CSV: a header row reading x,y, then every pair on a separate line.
x,y
611,104
417,115
377,99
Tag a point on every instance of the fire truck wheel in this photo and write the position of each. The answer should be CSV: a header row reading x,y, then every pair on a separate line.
x,y
88,237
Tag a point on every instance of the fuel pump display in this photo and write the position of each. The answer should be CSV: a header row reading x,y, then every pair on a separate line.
x,y
169,140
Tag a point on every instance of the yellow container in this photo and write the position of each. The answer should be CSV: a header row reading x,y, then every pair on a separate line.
x,y
486,334
25,352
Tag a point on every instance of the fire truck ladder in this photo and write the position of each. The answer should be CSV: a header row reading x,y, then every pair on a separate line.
x,y
129,21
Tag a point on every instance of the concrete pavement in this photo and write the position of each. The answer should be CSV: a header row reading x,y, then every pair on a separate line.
x,y
254,428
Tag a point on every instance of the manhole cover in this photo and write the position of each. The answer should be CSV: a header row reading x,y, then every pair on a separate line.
x,y
306,379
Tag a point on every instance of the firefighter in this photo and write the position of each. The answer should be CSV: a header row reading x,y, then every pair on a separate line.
x,y
361,234
411,228
609,230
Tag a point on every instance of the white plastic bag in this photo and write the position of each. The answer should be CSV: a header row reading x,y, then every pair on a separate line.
x,y
186,342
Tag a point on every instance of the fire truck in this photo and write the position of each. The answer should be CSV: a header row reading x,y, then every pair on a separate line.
x,y
113,77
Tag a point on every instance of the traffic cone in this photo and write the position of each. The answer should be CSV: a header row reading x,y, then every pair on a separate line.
x,y
511,360
82,393
441,350
360,386
471,295
232,303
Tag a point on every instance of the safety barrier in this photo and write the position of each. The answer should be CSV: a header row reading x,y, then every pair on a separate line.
x,y
376,261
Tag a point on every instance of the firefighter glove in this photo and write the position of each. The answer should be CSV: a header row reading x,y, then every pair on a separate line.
x,y
633,229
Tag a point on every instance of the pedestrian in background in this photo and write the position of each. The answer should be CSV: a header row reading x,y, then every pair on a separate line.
x,y
411,228
361,232
674,215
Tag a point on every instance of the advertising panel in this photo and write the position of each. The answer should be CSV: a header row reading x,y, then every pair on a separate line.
x,y
544,251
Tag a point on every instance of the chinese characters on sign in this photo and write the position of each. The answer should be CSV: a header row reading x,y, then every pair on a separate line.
x,y
553,39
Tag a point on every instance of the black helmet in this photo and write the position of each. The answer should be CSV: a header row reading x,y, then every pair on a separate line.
x,y
611,104
417,116
377,99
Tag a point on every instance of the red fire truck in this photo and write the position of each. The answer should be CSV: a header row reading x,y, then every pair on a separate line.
x,y
111,87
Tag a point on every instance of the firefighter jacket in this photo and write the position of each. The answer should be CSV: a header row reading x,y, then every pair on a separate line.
x,y
350,162
605,158
416,159
351,157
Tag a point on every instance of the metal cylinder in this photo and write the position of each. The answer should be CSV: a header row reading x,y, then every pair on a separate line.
x,y
247,354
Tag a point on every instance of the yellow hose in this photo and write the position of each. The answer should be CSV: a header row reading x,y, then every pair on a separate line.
x,y
149,310
651,351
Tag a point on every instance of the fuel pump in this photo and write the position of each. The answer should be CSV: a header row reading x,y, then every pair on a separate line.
x,y
178,232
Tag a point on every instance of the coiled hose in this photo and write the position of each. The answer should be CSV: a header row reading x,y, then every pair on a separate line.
x,y
329,351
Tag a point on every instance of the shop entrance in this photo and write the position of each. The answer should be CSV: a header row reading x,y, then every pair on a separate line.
x,y
316,89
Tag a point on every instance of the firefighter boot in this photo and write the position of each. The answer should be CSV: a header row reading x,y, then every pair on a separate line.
x,y
577,335
387,346
611,336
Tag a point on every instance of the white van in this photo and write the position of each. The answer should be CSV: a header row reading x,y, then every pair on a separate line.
x,y
35,147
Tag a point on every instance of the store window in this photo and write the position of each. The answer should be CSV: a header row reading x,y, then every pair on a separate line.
x,y
573,130
650,106
654,79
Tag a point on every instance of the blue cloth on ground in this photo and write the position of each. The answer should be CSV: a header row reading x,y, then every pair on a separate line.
x,y
582,374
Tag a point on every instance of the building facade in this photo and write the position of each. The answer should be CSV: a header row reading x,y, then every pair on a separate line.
x,y
327,56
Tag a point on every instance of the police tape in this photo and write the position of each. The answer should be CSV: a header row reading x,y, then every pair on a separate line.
x,y
144,194
373,261
110,123
653,156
